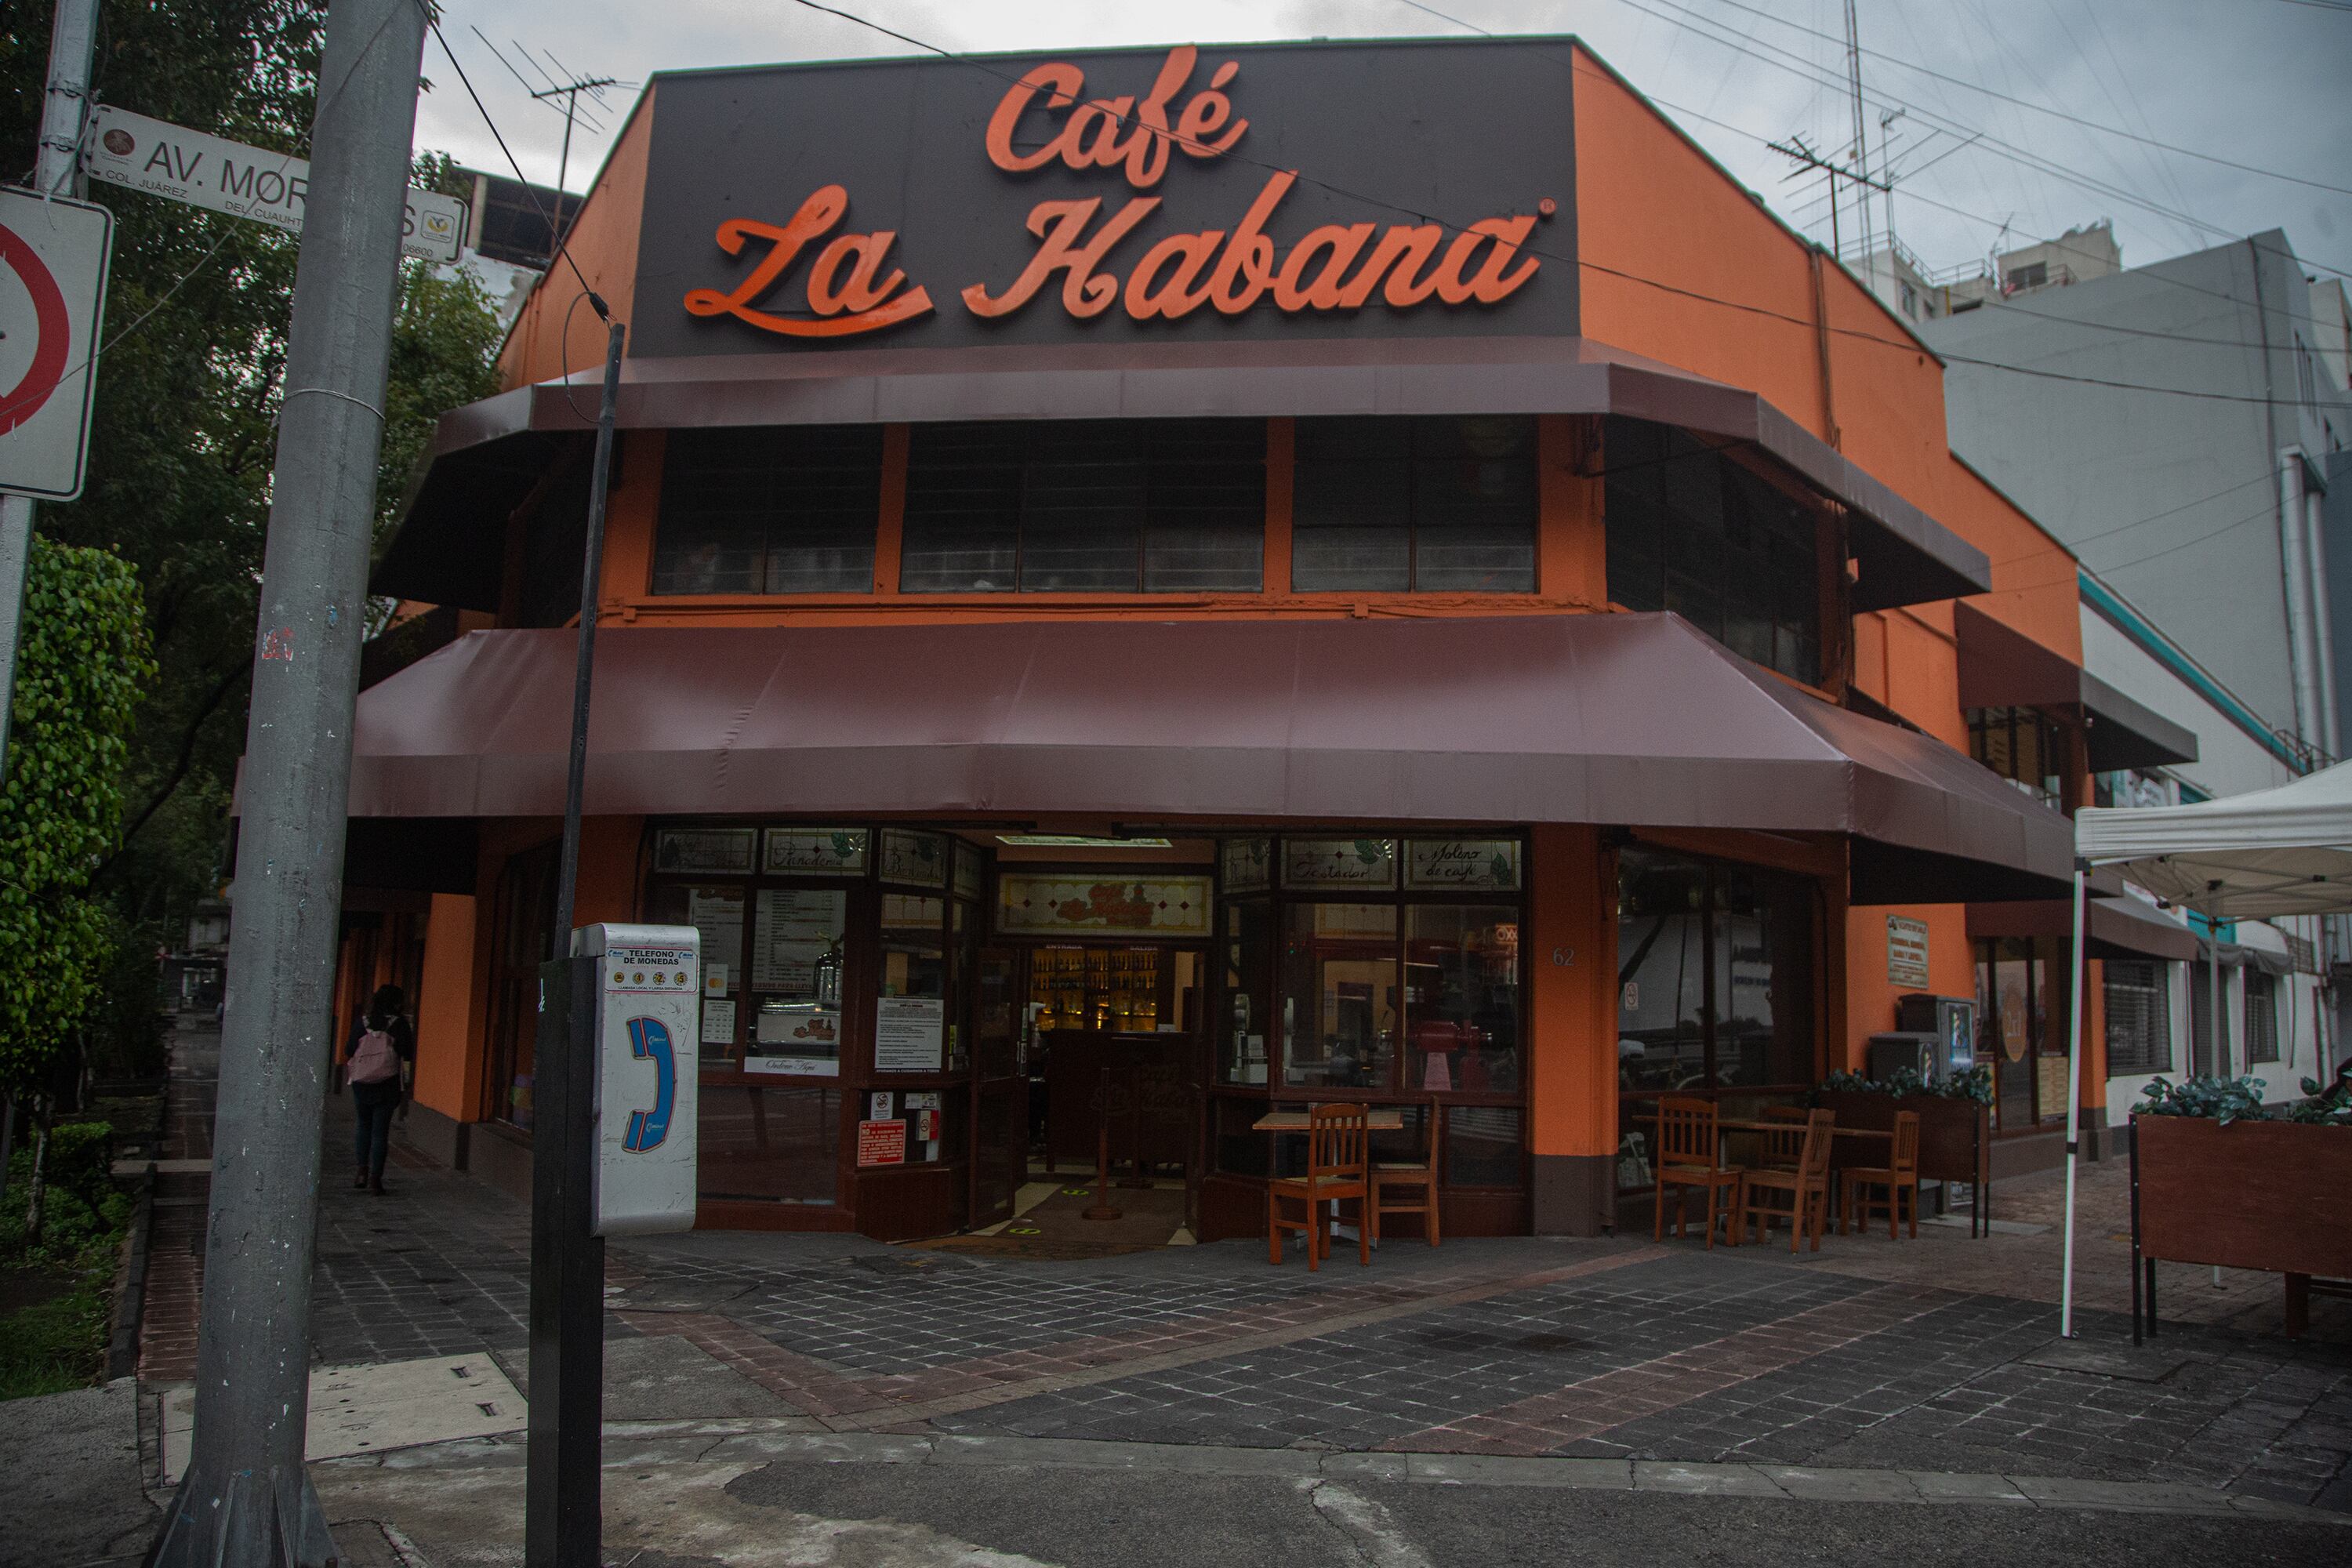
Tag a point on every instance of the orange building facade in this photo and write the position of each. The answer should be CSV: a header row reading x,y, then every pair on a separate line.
x,y
1145,587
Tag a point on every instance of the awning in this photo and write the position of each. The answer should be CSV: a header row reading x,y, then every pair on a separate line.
x,y
2118,928
1637,721
453,531
2266,853
2002,668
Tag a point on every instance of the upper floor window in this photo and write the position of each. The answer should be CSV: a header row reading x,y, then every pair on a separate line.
x,y
1693,531
1101,506
1441,504
770,510
2023,746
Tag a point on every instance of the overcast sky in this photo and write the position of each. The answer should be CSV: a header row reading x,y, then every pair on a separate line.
x,y
2258,82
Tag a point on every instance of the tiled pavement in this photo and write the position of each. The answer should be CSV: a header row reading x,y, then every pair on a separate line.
x,y
1618,1350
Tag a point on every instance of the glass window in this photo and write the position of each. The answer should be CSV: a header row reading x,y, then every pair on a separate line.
x,y
793,981
1462,997
2205,1063
1698,533
2139,1016
2022,746
2262,1016
1483,1145
1338,995
2011,986
772,510
1441,504
1716,972
1115,506
1248,945
523,940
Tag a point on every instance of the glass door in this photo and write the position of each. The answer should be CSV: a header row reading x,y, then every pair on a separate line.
x,y
1000,1117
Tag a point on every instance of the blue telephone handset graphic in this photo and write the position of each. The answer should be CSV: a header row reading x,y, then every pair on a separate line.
x,y
650,1039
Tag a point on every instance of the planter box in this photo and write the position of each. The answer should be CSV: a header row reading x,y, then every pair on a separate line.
x,y
2275,1196
1955,1137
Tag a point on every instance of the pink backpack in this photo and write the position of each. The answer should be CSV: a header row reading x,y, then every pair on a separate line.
x,y
374,1060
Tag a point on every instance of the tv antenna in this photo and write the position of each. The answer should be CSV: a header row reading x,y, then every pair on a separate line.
x,y
1800,152
569,91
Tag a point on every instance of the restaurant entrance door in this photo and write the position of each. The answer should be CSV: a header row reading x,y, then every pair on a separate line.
x,y
1000,1085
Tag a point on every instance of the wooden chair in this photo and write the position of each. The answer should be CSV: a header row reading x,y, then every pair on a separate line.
x,y
1785,1146
1396,1175
1337,1138
1807,1185
1687,1151
1898,1176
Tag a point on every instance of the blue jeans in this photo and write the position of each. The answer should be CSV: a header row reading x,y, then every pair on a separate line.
x,y
372,1137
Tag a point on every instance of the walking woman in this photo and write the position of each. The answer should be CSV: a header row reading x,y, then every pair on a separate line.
x,y
378,1063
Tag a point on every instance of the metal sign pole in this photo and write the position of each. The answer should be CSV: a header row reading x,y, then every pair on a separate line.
x,y
72,36
562,1507
247,1501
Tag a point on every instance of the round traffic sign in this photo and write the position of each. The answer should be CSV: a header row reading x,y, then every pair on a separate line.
x,y
51,331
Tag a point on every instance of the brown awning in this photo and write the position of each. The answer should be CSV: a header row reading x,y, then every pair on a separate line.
x,y
448,550
2002,668
2113,928
1632,719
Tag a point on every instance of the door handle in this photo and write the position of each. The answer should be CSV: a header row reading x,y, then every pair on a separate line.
x,y
649,1040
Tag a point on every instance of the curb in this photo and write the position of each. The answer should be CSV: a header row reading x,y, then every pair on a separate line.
x,y
131,1282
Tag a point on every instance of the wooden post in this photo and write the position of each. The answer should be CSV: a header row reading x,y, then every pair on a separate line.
x,y
1102,1208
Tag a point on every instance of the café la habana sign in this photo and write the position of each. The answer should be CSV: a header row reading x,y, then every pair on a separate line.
x,y
815,279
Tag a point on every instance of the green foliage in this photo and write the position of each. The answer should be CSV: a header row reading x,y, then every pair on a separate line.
x,y
81,669
2328,1107
2226,1099
1974,1085
58,1341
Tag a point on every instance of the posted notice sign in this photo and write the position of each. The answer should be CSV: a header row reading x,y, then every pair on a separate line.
x,y
220,177
1907,952
53,258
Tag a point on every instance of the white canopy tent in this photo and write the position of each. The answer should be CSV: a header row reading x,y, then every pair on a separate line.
x,y
2268,853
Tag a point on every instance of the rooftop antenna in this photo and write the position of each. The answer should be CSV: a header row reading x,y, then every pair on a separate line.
x,y
1800,151
1861,140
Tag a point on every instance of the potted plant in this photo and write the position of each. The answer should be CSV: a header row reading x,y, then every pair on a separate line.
x,y
2217,1179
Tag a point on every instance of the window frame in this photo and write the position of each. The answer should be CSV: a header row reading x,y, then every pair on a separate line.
x,y
2151,979
1414,524
851,436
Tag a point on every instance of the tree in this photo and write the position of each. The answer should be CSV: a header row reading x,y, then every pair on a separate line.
x,y
188,386
81,669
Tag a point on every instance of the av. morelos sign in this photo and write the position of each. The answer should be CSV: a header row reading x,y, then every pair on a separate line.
x,y
1251,192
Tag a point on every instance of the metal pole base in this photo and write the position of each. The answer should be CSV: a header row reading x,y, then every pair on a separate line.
x,y
252,1516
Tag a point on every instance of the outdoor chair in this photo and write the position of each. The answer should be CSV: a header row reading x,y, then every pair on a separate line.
x,y
1898,1176
1807,1185
1337,1137
1687,1157
1417,1181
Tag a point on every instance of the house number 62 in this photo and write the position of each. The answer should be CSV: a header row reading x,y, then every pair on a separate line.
x,y
1561,957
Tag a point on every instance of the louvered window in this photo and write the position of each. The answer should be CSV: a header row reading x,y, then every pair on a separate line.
x,y
2139,1017
770,510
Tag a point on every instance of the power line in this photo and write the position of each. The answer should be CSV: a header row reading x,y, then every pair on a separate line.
x,y
2040,108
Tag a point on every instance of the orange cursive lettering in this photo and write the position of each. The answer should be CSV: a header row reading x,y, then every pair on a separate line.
x,y
871,303
1058,224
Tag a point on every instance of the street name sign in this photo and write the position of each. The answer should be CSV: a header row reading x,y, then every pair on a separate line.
x,y
126,149
53,255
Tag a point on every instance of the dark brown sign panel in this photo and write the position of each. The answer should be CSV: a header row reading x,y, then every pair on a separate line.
x,y
1189,195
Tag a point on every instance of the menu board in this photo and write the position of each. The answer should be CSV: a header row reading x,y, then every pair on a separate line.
x,y
1469,865
816,852
1246,865
1339,865
719,1021
704,849
796,927
909,1033
920,859
717,914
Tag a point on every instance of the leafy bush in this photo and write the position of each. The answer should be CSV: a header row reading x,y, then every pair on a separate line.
x,y
2328,1107
2225,1100
81,1161
1974,1085
85,1212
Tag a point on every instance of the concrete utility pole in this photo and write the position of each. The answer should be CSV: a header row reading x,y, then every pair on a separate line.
x,y
65,110
247,1501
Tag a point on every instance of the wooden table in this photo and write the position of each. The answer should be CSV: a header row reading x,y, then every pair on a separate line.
x,y
1792,1127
